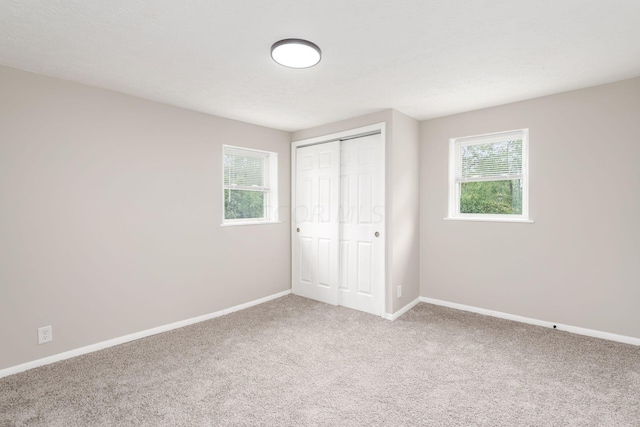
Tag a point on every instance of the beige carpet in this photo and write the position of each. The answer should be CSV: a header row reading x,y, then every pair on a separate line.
x,y
296,362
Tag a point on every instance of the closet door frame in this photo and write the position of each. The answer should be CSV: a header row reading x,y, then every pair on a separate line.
x,y
349,134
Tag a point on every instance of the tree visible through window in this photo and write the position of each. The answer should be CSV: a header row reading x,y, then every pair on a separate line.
x,y
248,195
488,176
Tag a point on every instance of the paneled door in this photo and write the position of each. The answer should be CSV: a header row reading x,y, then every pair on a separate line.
x,y
362,213
317,229
338,244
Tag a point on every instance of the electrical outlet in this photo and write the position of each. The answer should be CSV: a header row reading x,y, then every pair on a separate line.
x,y
45,334
399,291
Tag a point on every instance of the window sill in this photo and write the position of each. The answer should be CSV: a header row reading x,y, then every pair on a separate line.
x,y
530,221
234,224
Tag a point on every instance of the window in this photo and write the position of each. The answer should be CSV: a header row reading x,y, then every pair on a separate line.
x,y
250,186
488,177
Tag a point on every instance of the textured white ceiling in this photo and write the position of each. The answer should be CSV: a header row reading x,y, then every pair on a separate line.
x,y
426,58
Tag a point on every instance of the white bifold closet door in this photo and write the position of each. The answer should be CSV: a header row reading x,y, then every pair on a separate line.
x,y
338,250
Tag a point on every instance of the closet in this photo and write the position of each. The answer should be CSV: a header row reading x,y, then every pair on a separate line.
x,y
338,219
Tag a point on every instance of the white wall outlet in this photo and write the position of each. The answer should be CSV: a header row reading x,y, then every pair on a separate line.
x,y
45,334
399,291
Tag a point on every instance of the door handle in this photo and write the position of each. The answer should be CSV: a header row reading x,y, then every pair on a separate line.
x,y
377,234
298,229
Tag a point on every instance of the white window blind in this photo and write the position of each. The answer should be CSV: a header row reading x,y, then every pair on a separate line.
x,y
499,157
246,169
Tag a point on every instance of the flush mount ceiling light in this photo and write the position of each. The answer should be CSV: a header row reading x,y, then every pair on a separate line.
x,y
296,53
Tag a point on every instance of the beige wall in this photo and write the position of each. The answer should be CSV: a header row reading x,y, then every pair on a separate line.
x,y
578,263
402,143
406,209
110,212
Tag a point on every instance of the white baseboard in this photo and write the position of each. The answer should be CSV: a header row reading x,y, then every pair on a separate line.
x,y
402,311
559,326
135,336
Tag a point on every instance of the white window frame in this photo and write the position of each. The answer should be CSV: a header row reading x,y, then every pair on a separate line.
x,y
270,189
455,184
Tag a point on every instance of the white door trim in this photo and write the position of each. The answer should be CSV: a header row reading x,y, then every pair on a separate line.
x,y
374,128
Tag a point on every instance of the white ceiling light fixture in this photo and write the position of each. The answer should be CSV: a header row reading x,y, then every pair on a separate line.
x,y
296,53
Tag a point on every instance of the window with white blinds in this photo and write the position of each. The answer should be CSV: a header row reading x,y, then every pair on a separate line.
x,y
249,181
488,177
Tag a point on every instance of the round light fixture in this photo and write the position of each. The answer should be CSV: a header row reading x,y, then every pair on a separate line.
x,y
296,53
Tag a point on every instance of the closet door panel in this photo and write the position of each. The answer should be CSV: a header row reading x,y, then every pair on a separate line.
x,y
317,232
362,215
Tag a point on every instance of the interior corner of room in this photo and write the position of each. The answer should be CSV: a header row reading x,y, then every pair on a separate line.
x,y
111,215
343,212
119,218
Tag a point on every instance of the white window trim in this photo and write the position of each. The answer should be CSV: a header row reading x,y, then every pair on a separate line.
x,y
271,215
454,186
247,222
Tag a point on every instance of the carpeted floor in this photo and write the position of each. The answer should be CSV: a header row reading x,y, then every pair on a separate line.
x,y
296,362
